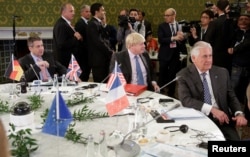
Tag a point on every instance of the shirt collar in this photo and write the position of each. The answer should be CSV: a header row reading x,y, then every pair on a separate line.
x,y
85,20
66,20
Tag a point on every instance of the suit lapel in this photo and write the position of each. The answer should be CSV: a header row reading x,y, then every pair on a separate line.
x,y
196,78
214,82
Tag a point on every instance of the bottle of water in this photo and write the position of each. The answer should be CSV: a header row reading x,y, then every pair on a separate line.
x,y
102,151
91,147
55,81
23,84
64,81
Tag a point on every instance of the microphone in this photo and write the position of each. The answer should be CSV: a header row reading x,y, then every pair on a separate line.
x,y
175,79
129,148
34,71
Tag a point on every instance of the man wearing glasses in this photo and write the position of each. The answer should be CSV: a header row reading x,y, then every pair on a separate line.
x,y
172,44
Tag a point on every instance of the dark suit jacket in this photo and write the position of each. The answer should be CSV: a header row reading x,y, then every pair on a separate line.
x,y
99,51
64,41
82,54
219,34
54,66
164,38
81,27
123,61
190,89
147,26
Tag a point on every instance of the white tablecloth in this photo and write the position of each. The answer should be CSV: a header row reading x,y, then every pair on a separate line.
x,y
52,146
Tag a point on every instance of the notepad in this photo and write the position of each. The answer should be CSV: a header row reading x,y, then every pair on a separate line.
x,y
184,112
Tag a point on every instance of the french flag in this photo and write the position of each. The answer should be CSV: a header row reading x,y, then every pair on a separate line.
x,y
116,99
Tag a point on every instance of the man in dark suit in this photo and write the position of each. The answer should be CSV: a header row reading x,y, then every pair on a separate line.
x,y
172,43
146,23
82,54
219,34
34,63
126,60
65,38
99,51
212,95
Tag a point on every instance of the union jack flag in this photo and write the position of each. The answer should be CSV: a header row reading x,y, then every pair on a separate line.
x,y
74,70
120,75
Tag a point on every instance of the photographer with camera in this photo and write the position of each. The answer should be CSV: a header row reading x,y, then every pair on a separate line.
x,y
128,24
219,35
198,31
210,6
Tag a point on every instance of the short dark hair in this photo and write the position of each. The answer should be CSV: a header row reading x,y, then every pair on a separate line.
x,y
32,39
95,7
209,13
222,4
133,9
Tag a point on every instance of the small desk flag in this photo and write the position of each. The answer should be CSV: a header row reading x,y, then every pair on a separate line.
x,y
116,99
112,77
59,117
74,70
14,70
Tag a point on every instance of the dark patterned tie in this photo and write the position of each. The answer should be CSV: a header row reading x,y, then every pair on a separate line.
x,y
202,33
207,95
140,80
172,29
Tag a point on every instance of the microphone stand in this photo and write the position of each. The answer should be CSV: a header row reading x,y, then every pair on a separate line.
x,y
175,79
14,34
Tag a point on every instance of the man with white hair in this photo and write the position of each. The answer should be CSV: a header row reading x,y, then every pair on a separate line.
x,y
207,88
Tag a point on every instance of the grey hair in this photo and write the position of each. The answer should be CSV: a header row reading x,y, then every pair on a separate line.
x,y
84,6
197,46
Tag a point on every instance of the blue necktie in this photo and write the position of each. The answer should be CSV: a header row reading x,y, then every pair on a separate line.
x,y
207,95
140,80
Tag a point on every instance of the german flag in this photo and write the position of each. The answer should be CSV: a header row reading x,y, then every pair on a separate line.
x,y
14,70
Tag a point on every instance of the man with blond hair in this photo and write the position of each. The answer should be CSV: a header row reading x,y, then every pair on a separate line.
x,y
126,59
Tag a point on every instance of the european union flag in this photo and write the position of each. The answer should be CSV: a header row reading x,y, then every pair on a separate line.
x,y
59,117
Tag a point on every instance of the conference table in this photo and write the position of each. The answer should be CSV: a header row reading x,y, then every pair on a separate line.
x,y
159,141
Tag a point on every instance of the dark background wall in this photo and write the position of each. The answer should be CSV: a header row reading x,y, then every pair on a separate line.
x,y
44,13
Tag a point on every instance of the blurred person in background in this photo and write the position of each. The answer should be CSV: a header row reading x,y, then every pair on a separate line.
x,y
240,51
99,51
197,34
109,33
147,24
219,34
65,37
172,44
128,23
82,54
